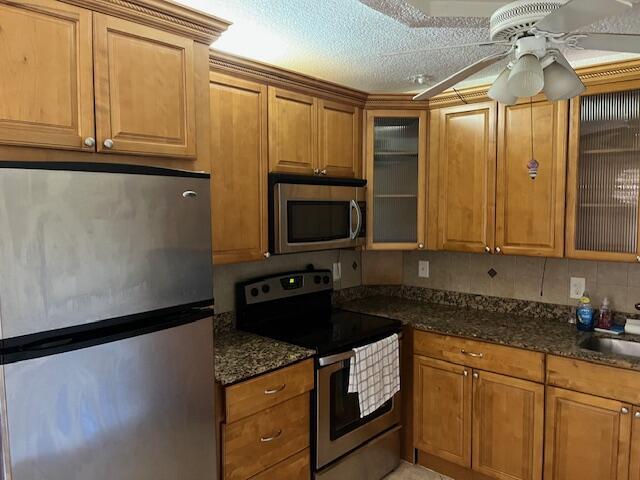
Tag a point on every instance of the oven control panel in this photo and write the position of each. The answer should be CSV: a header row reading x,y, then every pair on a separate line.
x,y
285,286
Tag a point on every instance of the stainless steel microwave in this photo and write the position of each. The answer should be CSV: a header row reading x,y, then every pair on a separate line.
x,y
315,213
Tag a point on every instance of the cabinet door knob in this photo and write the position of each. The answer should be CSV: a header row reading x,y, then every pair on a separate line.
x,y
638,258
316,171
323,171
465,373
498,250
624,410
476,375
89,141
108,143
636,415
267,254
487,249
421,245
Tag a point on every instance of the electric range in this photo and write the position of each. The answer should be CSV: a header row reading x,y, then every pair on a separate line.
x,y
296,307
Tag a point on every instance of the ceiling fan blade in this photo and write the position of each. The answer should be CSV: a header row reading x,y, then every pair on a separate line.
x,y
444,47
611,42
461,75
579,13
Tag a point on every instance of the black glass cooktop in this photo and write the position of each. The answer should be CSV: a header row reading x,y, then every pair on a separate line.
x,y
342,332
295,307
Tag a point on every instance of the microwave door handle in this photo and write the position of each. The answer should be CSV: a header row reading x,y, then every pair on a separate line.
x,y
354,233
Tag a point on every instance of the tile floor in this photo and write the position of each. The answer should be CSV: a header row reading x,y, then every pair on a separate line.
x,y
406,471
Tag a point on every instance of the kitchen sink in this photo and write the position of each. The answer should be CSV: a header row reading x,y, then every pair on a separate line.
x,y
612,345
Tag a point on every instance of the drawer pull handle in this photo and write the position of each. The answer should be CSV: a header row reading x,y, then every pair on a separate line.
x,y
272,437
471,354
271,391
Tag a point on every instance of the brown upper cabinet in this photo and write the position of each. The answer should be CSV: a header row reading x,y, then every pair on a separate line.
x,y
239,165
396,179
144,89
603,179
46,98
340,139
530,212
79,80
466,156
312,136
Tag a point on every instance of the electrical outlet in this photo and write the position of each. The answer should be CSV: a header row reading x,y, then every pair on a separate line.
x,y
423,269
576,287
337,271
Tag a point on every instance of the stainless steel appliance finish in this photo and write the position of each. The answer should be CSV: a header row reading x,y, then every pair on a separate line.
x,y
373,460
309,217
136,409
330,447
83,246
106,359
612,345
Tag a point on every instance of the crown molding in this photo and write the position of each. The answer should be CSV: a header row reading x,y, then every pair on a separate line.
x,y
262,72
280,77
161,14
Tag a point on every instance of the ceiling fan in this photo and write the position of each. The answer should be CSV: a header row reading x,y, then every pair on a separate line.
x,y
532,33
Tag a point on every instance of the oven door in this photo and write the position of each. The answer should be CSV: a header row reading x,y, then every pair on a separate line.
x,y
339,428
316,217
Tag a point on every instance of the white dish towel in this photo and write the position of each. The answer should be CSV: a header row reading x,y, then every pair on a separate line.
x,y
374,373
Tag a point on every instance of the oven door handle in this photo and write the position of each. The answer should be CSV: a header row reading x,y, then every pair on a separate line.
x,y
339,357
353,234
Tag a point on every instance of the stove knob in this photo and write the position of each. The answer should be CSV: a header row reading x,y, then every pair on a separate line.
x,y
254,292
265,288
325,279
316,279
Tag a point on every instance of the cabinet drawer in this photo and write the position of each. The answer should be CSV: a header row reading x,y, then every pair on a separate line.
x,y
267,390
294,468
604,381
486,356
260,441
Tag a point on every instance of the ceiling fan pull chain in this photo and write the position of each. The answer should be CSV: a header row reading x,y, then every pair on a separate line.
x,y
533,164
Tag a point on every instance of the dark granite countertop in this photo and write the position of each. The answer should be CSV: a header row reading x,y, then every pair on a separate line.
x,y
554,336
240,355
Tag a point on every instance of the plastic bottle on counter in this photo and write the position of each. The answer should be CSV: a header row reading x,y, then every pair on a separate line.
x,y
605,318
584,315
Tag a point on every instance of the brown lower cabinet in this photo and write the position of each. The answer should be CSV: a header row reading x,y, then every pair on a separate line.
x,y
265,433
490,423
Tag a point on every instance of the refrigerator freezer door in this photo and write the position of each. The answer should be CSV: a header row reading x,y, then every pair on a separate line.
x,y
135,409
78,247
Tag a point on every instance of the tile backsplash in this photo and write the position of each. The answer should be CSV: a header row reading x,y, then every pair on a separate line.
x,y
226,276
523,278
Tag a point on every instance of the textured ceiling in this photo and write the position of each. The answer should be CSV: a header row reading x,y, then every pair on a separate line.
x,y
342,40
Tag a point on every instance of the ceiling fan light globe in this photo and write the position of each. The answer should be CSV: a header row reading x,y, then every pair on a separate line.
x,y
527,77
500,92
561,83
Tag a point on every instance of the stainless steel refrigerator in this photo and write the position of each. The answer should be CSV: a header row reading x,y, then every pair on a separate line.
x,y
106,335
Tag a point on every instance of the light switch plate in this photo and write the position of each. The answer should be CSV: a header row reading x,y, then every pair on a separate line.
x,y
576,287
337,271
423,269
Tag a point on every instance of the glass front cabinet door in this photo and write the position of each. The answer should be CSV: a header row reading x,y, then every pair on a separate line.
x,y
604,174
396,179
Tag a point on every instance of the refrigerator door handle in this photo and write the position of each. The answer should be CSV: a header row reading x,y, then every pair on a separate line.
x,y
46,344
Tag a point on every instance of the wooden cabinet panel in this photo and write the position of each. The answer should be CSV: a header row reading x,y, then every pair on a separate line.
x,y
605,381
339,131
482,355
239,164
46,78
294,468
634,461
530,213
466,177
246,398
260,441
293,132
508,419
442,416
144,89
587,437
